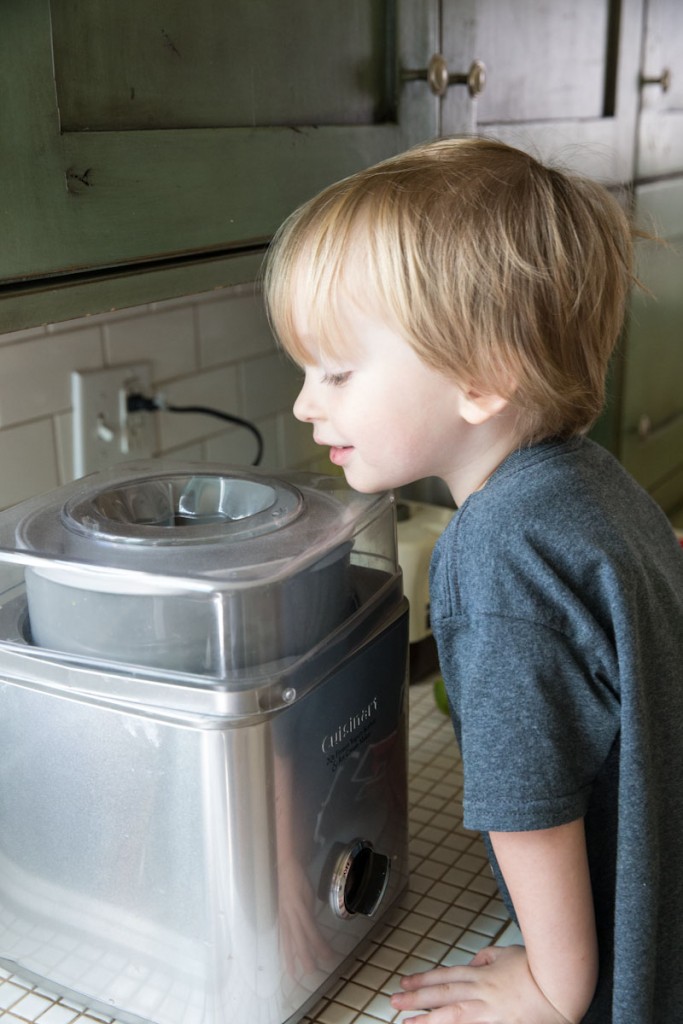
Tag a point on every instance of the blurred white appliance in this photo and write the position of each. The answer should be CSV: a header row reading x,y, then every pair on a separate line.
x,y
419,527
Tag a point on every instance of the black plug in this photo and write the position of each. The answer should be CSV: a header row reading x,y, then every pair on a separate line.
x,y
137,402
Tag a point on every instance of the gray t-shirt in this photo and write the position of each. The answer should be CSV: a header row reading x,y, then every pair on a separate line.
x,y
557,607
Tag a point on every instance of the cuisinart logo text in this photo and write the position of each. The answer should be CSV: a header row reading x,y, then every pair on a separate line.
x,y
348,729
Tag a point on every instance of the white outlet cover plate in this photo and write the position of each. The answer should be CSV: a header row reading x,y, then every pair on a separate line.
x,y
104,432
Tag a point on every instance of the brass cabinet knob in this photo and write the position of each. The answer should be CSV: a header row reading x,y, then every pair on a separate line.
x,y
664,80
439,78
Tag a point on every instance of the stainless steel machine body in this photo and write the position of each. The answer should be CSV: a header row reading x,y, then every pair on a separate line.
x,y
183,844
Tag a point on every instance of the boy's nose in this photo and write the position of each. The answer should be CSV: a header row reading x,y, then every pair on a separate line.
x,y
305,407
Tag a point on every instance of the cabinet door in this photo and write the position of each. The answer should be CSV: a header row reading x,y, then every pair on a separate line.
x,y
660,134
143,132
561,78
652,415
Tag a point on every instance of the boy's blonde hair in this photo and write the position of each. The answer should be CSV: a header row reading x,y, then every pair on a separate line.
x,y
507,276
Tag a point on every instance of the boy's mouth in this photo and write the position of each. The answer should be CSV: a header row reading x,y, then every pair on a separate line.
x,y
339,454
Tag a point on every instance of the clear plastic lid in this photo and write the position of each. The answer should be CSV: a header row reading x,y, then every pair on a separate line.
x,y
190,568
209,523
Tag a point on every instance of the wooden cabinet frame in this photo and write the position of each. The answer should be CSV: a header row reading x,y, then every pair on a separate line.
x,y
182,210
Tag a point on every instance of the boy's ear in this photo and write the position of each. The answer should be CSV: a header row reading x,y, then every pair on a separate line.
x,y
477,408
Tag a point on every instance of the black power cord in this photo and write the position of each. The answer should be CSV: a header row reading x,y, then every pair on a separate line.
x,y
137,402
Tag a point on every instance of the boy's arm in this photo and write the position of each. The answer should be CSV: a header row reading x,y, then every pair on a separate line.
x,y
547,875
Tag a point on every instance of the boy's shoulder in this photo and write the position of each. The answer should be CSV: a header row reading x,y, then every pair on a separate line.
x,y
565,509
540,487
565,469
558,482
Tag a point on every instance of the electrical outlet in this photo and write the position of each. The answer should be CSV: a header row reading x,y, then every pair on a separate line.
x,y
104,432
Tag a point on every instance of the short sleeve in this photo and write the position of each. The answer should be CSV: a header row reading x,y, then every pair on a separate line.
x,y
536,720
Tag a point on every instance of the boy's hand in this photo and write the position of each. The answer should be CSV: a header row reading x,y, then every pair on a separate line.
x,y
496,987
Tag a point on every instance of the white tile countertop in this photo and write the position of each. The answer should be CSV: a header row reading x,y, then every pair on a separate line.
x,y
450,910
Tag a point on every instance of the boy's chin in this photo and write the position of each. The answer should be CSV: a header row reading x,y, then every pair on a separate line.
x,y
365,484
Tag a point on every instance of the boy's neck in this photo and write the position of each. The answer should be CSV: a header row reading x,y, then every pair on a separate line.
x,y
487,448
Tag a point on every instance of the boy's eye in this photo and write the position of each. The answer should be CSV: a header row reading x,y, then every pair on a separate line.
x,y
336,379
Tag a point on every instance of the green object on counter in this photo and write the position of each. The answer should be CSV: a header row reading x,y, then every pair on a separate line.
x,y
440,696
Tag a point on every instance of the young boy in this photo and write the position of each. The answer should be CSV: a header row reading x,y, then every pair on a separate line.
x,y
454,310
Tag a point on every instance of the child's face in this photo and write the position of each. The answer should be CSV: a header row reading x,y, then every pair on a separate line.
x,y
386,416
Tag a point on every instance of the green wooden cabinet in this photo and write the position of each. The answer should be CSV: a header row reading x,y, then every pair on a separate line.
x,y
652,404
150,149
651,440
660,128
146,147
561,77
167,136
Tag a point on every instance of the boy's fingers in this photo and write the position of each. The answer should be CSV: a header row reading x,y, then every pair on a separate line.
x,y
439,976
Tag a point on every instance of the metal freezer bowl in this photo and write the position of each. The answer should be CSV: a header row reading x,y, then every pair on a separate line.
x,y
182,848
271,554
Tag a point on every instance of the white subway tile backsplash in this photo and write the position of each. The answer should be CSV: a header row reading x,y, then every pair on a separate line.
x,y
234,328
27,461
188,453
165,338
217,390
266,382
274,457
213,349
297,441
233,447
238,447
35,375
